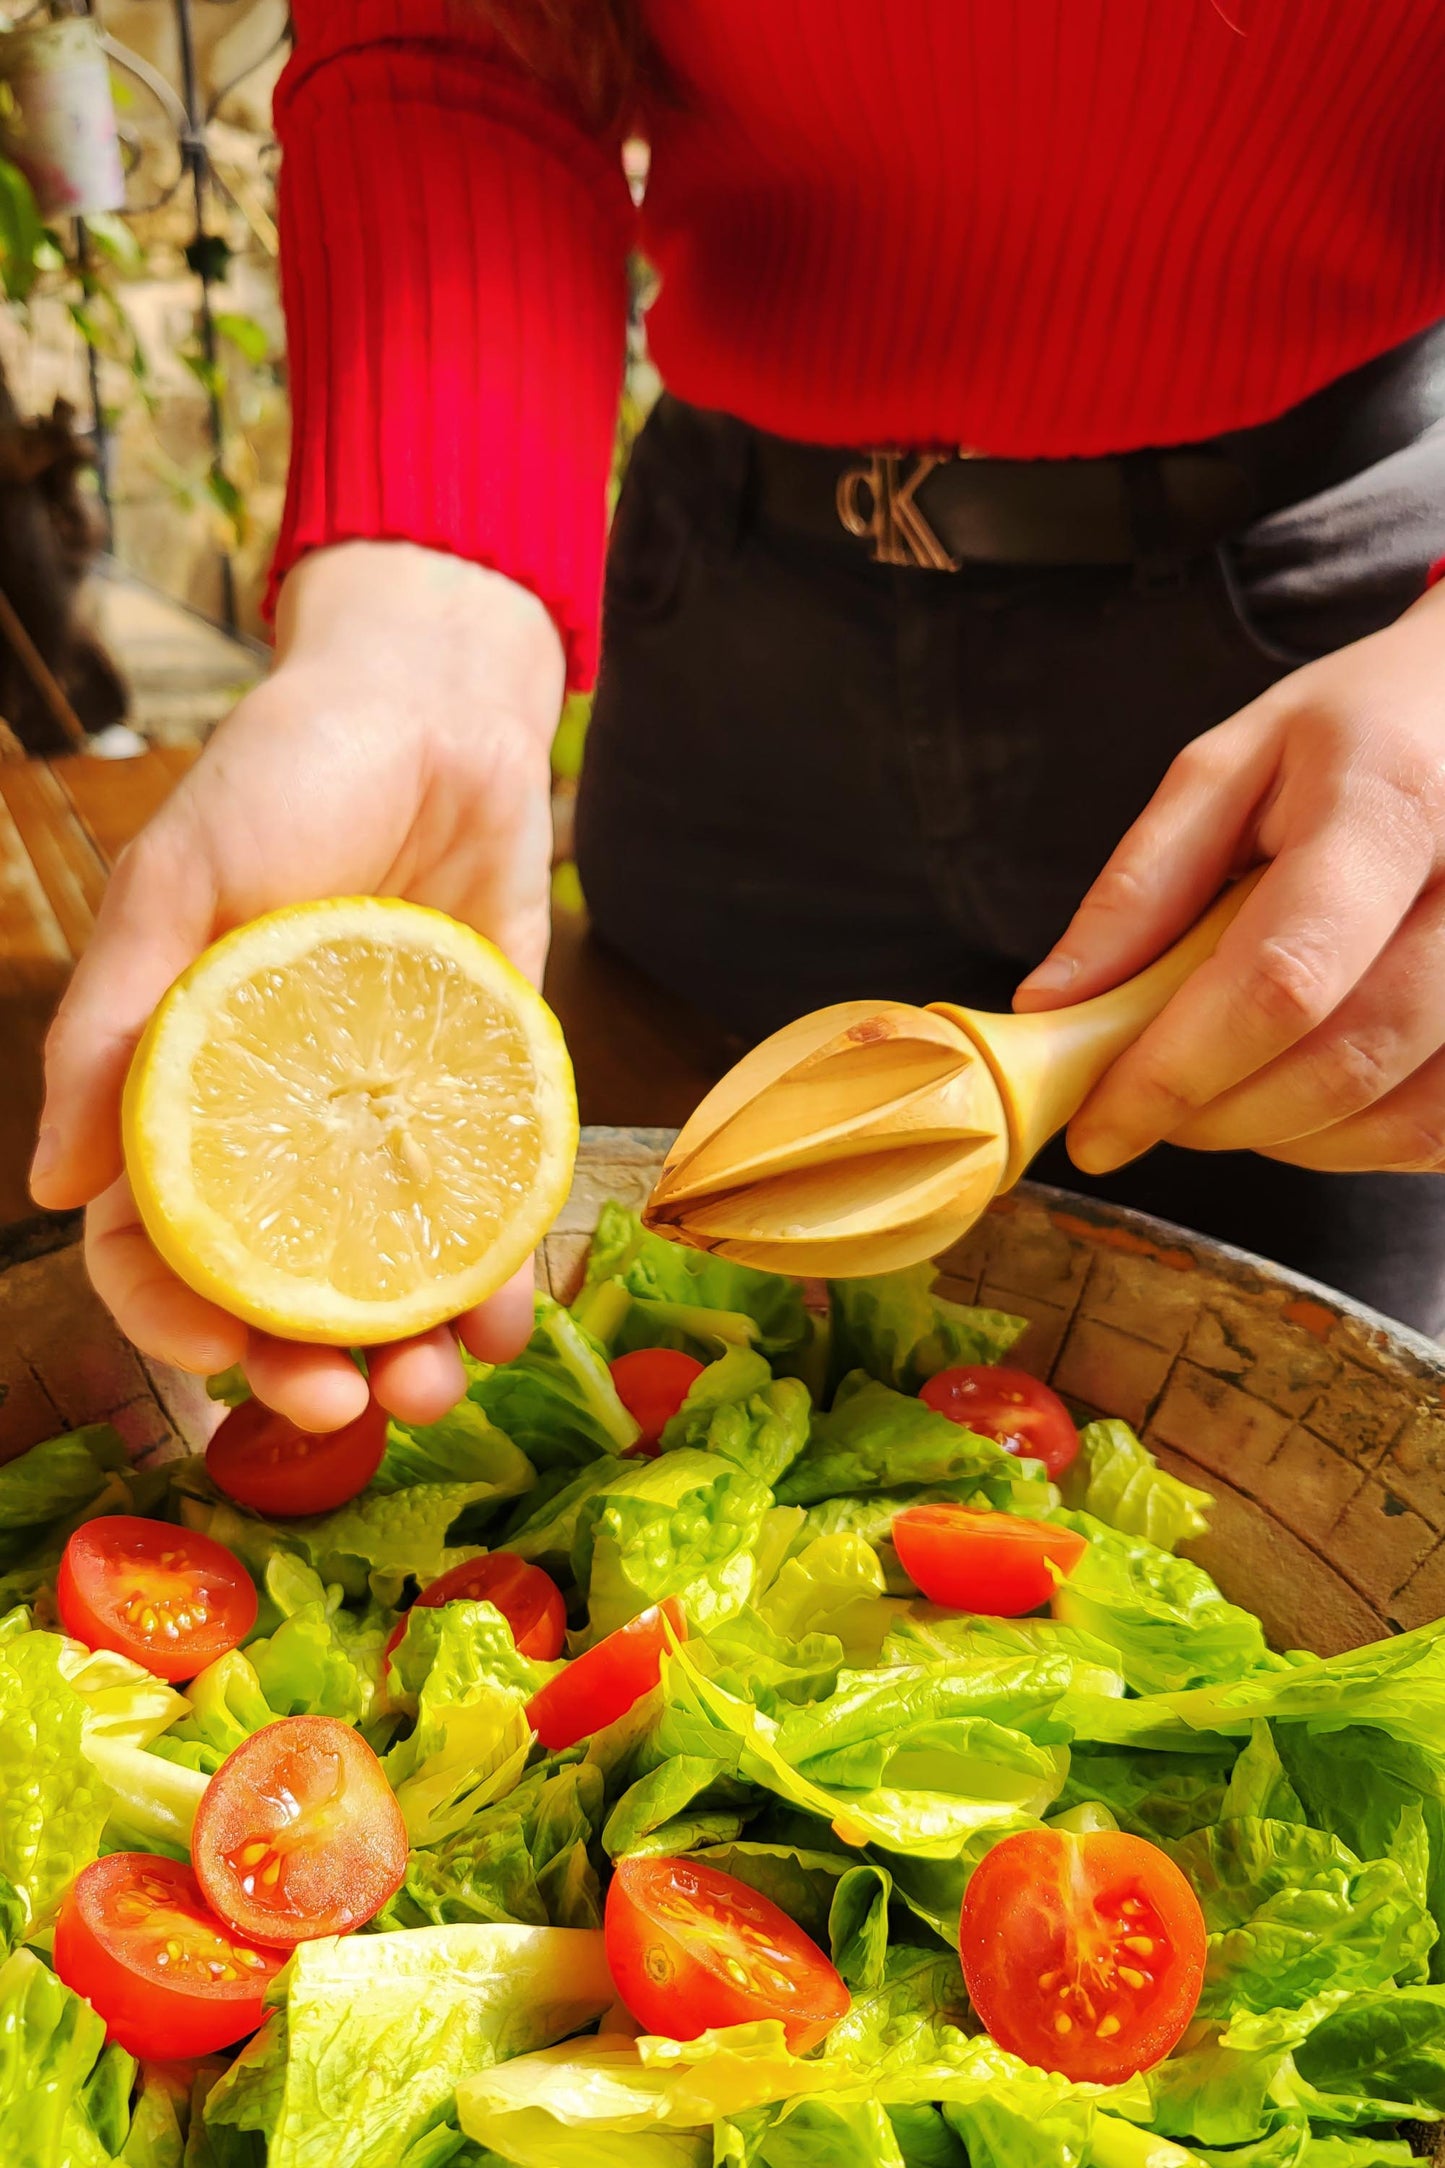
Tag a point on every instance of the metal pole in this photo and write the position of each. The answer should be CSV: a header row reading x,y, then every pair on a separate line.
x,y
99,427
194,158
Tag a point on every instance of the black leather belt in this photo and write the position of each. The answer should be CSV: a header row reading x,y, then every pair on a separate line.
x,y
940,510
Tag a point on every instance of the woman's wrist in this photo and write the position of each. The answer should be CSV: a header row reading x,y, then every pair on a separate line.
x,y
408,619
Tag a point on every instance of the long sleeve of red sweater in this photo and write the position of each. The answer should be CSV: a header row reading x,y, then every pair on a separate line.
x,y
454,273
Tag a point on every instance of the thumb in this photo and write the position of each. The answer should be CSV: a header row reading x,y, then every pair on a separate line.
x,y
1196,830
156,916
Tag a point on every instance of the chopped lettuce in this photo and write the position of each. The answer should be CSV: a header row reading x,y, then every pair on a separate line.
x,y
379,2029
657,1272
55,1481
736,1410
370,1547
525,1860
1292,1914
557,1401
464,1447
470,1740
53,1801
824,1735
874,1438
630,1533
911,1776
1118,1480
1163,1615
901,1333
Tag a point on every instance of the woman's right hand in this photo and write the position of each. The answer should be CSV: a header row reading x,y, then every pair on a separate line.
x,y
400,747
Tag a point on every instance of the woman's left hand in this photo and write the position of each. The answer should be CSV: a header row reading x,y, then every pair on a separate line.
x,y
1316,1033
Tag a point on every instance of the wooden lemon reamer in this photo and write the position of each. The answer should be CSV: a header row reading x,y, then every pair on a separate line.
x,y
872,1134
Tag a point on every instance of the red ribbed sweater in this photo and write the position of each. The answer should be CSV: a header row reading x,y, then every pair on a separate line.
x,y
1037,227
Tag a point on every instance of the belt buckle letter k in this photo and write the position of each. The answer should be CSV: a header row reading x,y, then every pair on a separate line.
x,y
878,502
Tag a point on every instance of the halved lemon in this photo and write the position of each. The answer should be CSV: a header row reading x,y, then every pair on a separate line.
x,y
350,1120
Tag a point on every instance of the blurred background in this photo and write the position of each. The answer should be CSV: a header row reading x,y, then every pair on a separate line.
x,y
144,432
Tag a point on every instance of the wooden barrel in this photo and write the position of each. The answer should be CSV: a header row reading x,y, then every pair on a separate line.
x,y
1318,1426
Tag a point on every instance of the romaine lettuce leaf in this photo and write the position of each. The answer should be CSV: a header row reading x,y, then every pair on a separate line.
x,y
694,1788
369,1547
524,1860
633,1532
64,2095
471,1738
556,1400
1348,2059
874,1438
53,1802
656,1271
832,1586
1396,1685
736,1409
1168,1621
54,1482
1118,1480
929,1778
1158,1796
609,2100
1292,1914
902,1334
379,2028
1365,1785
464,1447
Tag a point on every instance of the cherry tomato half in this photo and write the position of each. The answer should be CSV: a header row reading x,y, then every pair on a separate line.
x,y
1018,1412
1082,1954
528,1599
652,1384
169,1598
689,1948
602,1684
138,1940
996,1563
298,1833
266,1463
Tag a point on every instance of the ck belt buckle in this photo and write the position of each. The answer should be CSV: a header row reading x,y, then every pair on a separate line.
x,y
878,502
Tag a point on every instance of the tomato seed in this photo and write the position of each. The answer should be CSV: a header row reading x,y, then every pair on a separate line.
x,y
1063,2024
1130,1977
1141,1945
1106,2028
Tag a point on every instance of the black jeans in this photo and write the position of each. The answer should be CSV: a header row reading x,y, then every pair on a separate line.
x,y
811,778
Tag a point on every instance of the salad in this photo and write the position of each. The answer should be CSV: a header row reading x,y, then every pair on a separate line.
x,y
735,1737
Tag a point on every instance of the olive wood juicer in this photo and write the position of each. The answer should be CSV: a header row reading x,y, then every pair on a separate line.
x,y
872,1135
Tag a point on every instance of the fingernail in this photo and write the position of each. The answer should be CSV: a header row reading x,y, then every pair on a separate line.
x,y
1100,1152
1051,976
47,1154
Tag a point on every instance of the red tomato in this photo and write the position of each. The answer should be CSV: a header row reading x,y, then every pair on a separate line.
x,y
298,1833
1019,1412
652,1384
266,1463
168,1598
138,1940
1082,1954
996,1563
598,1687
528,1599
689,1947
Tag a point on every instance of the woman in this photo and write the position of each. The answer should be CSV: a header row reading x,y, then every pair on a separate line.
x,y
910,618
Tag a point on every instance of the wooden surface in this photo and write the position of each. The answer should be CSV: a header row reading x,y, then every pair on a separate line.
x,y
1318,1428
63,823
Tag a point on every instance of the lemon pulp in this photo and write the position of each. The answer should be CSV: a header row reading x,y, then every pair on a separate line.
x,y
350,1120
